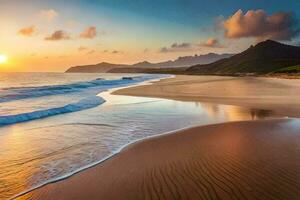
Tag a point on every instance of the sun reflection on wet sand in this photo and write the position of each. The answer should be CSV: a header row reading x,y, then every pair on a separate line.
x,y
233,113
40,150
15,166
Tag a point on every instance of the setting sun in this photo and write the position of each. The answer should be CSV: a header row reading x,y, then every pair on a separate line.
x,y
3,58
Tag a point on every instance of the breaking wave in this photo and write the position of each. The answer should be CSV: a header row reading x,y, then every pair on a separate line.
x,y
18,93
39,114
88,90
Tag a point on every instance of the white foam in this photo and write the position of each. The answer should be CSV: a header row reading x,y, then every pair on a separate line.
x,y
144,80
18,93
86,103
83,104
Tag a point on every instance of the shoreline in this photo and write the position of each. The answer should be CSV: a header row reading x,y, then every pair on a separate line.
x,y
246,92
148,82
104,159
164,141
39,190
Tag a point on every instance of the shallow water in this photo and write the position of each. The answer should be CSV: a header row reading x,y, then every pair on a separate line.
x,y
39,151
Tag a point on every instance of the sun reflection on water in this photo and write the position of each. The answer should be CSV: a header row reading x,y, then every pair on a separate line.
x,y
40,150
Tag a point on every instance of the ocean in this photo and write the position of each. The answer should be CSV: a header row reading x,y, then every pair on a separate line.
x,y
53,125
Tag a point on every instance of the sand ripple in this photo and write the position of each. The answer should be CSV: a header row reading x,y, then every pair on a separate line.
x,y
240,160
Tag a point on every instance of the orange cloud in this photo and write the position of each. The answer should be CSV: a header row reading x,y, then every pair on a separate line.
x,y
211,42
58,35
89,33
256,23
49,14
27,31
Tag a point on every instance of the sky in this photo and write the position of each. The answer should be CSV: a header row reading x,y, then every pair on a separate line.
x,y
53,35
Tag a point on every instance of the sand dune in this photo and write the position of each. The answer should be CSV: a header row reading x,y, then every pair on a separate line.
x,y
239,160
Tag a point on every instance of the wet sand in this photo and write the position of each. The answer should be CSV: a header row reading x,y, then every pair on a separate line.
x,y
282,96
236,160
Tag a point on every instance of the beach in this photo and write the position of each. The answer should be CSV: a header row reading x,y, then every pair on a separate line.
x,y
279,95
233,160
238,160
149,100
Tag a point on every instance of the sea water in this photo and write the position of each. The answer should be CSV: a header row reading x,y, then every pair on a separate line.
x,y
53,125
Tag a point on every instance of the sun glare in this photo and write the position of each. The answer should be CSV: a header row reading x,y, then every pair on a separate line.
x,y
3,58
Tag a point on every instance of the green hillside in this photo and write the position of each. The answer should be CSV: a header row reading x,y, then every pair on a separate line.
x,y
263,58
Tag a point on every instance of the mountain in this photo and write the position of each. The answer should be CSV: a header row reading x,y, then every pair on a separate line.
x,y
98,68
164,70
185,61
146,66
197,59
265,57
